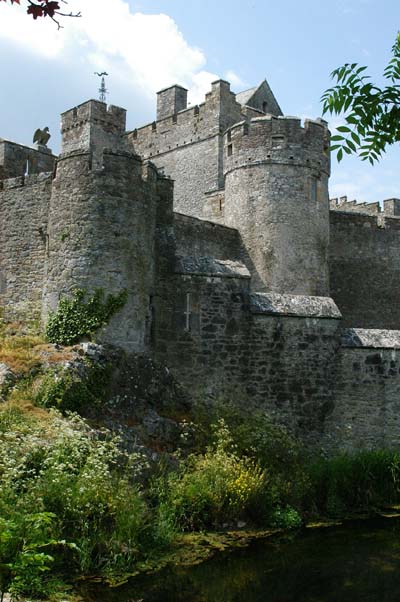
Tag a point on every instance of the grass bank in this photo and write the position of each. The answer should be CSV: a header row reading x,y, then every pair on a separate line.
x,y
75,504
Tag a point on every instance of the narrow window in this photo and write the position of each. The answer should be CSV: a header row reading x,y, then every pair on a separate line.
x,y
265,107
230,150
187,312
314,189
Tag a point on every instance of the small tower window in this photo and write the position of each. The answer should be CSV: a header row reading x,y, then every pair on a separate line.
x,y
230,150
314,189
265,107
187,312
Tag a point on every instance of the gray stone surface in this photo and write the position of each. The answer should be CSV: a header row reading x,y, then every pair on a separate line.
x,y
199,237
276,194
294,305
208,266
376,339
17,160
24,207
364,268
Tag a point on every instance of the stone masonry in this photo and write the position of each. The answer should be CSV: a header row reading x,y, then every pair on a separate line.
x,y
241,276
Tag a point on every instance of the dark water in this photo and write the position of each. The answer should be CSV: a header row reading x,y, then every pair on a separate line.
x,y
356,563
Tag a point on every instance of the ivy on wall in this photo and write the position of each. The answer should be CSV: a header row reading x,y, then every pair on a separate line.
x,y
79,316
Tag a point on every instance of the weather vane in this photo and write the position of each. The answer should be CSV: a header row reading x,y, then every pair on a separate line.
x,y
102,90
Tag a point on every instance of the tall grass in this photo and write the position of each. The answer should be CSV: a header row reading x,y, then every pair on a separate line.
x,y
73,503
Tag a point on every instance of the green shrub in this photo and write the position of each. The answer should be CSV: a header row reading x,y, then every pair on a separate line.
x,y
70,391
215,487
78,318
355,483
60,469
286,518
256,436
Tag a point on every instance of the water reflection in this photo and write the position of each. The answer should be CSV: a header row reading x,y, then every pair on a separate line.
x,y
357,563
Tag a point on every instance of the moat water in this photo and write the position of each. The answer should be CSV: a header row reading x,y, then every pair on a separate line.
x,y
358,562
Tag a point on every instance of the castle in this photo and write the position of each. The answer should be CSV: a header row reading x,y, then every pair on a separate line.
x,y
242,277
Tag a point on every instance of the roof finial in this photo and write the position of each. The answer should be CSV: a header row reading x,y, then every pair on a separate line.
x,y
102,90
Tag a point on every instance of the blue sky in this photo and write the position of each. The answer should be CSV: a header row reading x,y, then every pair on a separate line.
x,y
146,45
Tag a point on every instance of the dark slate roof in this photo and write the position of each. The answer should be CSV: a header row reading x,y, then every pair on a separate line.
x,y
244,97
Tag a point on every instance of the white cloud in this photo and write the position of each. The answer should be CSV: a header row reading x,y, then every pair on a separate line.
x,y
41,37
237,83
145,51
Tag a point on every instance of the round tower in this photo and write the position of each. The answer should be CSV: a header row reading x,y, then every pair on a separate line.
x,y
101,232
276,195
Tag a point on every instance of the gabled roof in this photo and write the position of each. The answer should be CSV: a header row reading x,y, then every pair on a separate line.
x,y
245,96
258,97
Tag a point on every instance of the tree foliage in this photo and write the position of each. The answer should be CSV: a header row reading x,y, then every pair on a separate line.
x,y
45,8
372,113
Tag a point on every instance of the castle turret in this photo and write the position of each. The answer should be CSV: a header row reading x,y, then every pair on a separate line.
x,y
92,126
102,221
276,195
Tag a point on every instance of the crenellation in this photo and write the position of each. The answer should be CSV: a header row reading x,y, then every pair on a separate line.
x,y
17,160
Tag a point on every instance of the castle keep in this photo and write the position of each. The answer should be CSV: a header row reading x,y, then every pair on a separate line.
x,y
242,277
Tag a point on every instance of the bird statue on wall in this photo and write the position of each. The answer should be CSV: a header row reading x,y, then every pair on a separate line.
x,y
42,137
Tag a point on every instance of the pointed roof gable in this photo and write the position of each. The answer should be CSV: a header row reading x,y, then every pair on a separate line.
x,y
244,97
261,98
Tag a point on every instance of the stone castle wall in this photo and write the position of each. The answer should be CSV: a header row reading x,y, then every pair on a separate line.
x,y
102,235
367,402
24,205
188,146
365,268
17,160
206,239
270,351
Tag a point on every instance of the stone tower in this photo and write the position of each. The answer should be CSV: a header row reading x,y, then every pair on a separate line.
x,y
276,195
102,221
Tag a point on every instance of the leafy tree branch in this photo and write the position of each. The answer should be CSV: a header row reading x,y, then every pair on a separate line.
x,y
45,8
371,113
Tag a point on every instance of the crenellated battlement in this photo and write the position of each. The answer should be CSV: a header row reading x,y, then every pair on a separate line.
x,y
273,139
391,207
92,125
94,111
